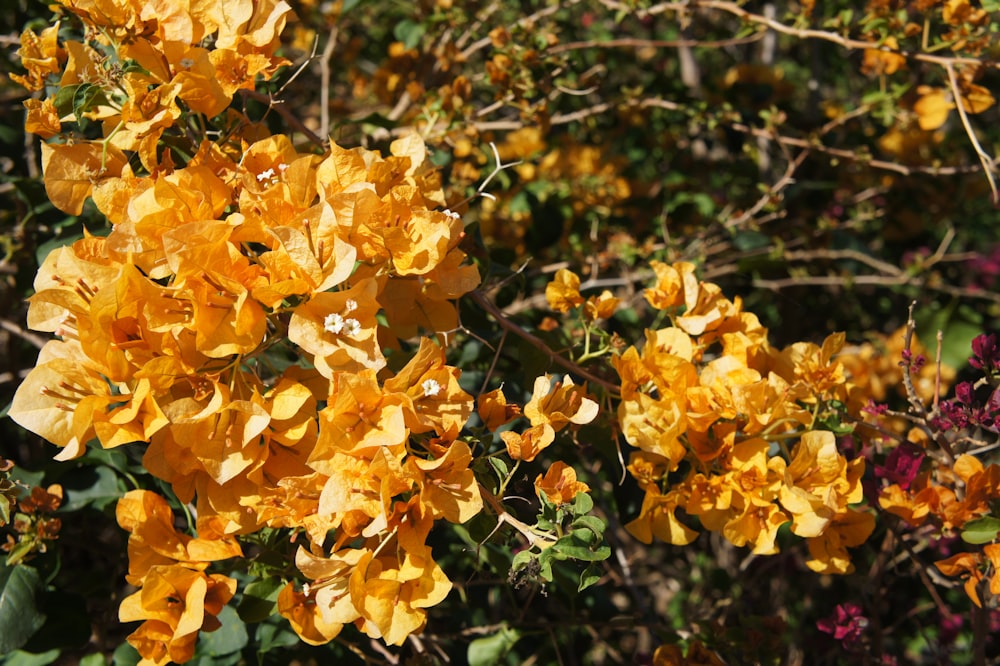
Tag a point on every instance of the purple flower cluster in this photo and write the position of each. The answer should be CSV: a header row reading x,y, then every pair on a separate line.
x,y
966,410
901,465
847,625
985,355
971,408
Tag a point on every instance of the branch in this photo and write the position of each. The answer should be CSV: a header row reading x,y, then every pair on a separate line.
x,y
35,340
984,159
811,33
539,344
279,106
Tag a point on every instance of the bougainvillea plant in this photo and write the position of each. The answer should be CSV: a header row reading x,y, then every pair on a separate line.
x,y
321,427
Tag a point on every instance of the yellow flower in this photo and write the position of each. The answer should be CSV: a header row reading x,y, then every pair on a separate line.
x,y
339,330
493,409
600,307
819,483
448,488
436,401
525,446
176,603
559,404
391,595
559,484
153,541
40,55
563,292
657,518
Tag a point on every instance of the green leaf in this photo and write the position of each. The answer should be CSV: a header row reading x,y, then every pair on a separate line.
x,y
229,638
20,658
593,523
93,660
981,530
582,504
19,552
19,614
491,650
85,98
271,636
589,577
745,240
958,325
96,486
125,655
499,465
64,98
259,599
409,32
581,545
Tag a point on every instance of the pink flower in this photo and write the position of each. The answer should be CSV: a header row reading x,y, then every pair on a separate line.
x,y
847,625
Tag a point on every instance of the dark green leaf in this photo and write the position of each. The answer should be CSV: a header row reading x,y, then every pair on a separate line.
x,y
259,599
229,638
592,523
271,636
589,577
21,658
96,486
19,614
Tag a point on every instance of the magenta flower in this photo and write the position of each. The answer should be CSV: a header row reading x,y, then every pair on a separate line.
x,y
985,355
902,465
847,625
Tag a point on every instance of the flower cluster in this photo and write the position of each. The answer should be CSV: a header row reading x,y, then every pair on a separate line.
x,y
176,599
712,408
237,319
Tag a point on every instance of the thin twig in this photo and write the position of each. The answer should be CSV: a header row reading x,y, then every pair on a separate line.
x,y
984,158
480,299
27,336
282,110
324,79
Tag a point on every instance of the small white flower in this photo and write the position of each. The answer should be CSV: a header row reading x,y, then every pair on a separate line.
x,y
267,174
451,214
431,388
351,305
334,323
186,63
282,167
352,327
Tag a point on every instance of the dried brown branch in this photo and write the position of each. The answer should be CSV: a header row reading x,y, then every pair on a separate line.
x,y
636,43
29,337
787,178
480,299
811,33
282,110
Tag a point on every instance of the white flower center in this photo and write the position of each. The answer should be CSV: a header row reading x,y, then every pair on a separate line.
x,y
333,323
352,327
